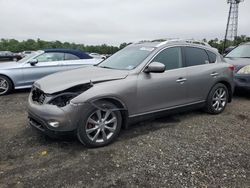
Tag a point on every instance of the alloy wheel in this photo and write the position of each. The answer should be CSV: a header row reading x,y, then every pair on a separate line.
x,y
219,99
4,86
101,125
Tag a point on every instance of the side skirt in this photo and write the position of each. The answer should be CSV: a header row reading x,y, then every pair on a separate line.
x,y
165,112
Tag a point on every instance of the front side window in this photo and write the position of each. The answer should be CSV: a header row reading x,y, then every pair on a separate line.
x,y
71,57
127,58
242,51
195,56
170,57
50,56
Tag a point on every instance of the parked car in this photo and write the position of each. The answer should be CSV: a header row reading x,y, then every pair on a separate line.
x,y
9,56
240,58
98,56
22,74
25,53
229,49
140,81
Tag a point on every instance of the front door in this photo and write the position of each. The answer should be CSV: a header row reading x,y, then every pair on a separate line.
x,y
158,91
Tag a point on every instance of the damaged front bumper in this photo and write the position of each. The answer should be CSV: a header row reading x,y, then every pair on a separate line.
x,y
51,119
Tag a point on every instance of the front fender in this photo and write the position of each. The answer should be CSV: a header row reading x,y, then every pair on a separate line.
x,y
123,91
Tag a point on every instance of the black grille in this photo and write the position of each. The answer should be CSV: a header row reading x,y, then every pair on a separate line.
x,y
38,96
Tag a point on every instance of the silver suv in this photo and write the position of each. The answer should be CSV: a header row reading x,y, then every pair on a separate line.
x,y
138,82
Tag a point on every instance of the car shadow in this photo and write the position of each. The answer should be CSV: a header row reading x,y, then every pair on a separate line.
x,y
147,126
19,91
70,142
241,93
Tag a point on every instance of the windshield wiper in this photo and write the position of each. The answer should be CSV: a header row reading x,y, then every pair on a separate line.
x,y
105,67
244,57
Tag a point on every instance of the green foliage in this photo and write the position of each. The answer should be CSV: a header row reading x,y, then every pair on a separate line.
x,y
30,44
219,44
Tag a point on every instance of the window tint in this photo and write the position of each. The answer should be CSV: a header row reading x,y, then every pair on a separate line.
x,y
71,57
51,56
212,57
170,57
195,56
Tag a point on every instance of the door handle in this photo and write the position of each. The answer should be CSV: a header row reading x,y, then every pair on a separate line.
x,y
214,74
181,80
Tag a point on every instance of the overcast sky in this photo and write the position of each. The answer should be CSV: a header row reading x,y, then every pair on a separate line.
x,y
117,21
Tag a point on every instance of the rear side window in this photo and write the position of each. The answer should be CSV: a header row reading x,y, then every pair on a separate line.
x,y
195,56
170,57
212,57
71,56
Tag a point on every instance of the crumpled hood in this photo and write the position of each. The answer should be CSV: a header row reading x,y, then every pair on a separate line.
x,y
9,65
64,80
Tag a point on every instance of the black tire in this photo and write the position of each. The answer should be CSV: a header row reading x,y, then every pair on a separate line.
x,y
6,82
103,106
221,102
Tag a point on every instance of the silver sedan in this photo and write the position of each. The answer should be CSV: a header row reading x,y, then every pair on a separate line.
x,y
22,74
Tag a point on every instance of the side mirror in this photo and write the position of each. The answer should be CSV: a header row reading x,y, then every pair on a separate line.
x,y
155,67
33,62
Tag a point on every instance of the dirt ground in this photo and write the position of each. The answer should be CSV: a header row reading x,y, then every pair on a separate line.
x,y
185,150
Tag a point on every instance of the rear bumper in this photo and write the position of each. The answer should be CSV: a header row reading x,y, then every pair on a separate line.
x,y
242,81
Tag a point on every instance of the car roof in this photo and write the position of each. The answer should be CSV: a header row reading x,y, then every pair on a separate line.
x,y
76,52
164,43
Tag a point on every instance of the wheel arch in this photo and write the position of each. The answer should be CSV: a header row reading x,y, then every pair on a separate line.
x,y
13,85
121,105
229,88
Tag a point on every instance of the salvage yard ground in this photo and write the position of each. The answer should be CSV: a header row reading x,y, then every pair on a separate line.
x,y
184,150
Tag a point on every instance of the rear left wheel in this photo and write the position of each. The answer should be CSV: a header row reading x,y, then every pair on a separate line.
x,y
217,99
100,126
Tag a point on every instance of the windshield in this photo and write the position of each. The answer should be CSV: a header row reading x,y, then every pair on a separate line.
x,y
30,56
242,51
128,58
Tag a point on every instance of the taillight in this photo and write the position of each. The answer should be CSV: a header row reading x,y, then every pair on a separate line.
x,y
231,67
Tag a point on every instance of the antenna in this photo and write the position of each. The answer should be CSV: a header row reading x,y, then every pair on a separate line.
x,y
232,21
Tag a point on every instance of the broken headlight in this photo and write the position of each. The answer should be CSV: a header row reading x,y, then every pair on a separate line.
x,y
63,99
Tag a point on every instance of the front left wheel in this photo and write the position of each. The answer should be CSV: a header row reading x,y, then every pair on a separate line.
x,y
6,85
100,126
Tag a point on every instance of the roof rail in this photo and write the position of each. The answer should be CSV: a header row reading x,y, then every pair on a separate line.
x,y
192,41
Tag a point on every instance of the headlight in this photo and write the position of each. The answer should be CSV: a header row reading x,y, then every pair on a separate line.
x,y
62,99
244,70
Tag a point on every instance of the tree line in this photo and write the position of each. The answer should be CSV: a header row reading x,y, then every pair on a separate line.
x,y
30,44
219,44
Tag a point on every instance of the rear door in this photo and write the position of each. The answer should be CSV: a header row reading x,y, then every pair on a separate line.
x,y
158,91
201,72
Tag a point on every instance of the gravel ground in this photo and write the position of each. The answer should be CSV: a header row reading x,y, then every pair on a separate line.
x,y
185,150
